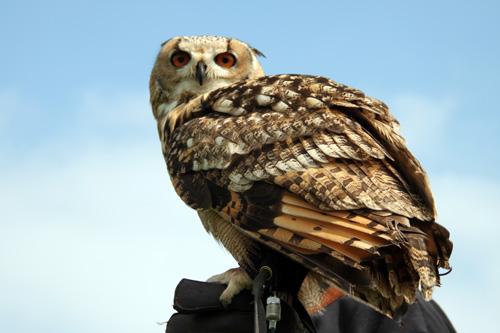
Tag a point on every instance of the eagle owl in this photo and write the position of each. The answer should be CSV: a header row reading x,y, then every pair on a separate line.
x,y
297,166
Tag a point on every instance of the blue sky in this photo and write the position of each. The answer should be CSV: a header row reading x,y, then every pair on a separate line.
x,y
93,237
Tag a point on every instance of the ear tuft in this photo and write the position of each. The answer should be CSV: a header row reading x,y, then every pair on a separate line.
x,y
257,52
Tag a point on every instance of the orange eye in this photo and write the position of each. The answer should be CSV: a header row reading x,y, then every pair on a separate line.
x,y
225,60
180,58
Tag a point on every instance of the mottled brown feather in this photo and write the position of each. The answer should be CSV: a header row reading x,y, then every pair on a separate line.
x,y
316,170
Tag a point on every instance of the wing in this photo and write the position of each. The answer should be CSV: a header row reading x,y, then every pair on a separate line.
x,y
315,170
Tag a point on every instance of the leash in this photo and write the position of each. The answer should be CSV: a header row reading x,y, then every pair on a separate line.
x,y
275,273
265,274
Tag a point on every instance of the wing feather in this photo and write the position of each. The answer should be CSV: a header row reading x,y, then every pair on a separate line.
x,y
315,170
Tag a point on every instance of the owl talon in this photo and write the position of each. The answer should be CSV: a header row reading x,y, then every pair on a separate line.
x,y
236,280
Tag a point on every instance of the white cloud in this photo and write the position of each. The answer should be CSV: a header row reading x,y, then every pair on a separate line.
x,y
104,107
99,244
465,206
94,239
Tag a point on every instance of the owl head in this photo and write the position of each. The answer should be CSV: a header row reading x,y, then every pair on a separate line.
x,y
192,65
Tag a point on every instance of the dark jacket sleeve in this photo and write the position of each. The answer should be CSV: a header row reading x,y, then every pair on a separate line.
x,y
349,316
199,310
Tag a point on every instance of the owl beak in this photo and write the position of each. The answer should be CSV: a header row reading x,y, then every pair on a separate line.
x,y
200,72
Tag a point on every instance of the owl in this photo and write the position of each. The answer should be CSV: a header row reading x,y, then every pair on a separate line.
x,y
299,171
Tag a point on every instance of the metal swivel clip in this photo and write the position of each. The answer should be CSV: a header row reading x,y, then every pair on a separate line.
x,y
273,311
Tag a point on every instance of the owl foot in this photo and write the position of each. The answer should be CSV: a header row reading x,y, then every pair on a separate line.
x,y
236,279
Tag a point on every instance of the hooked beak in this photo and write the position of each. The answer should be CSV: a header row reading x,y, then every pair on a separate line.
x,y
200,72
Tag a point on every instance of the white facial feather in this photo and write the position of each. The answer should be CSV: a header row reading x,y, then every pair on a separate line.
x,y
174,85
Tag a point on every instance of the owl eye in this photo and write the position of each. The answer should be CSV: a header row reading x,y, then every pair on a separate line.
x,y
180,58
225,60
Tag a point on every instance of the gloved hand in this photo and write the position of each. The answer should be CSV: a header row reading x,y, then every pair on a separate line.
x,y
199,310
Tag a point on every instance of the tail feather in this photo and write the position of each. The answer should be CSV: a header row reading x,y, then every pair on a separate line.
x,y
377,257
420,260
444,246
